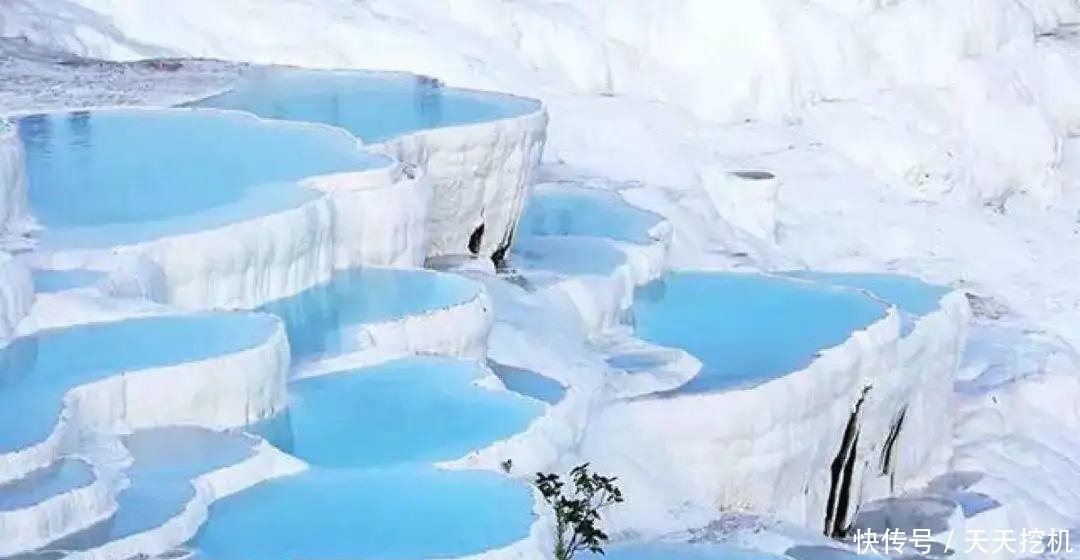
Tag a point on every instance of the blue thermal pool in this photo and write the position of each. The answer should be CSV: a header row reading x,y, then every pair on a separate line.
x,y
165,461
60,478
318,319
374,106
913,297
36,371
567,256
681,551
529,383
558,210
99,178
396,514
748,328
422,409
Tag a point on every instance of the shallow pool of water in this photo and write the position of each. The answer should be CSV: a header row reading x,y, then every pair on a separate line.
x,y
36,371
529,383
748,328
165,461
423,409
317,319
566,256
910,295
373,106
60,478
395,514
120,170
557,210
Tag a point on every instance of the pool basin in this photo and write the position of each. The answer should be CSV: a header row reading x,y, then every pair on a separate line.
x,y
748,328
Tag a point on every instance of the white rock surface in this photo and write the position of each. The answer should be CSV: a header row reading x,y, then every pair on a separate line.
x,y
745,199
928,360
227,391
387,216
881,107
459,331
13,188
379,217
16,295
481,175
768,449
238,266
58,516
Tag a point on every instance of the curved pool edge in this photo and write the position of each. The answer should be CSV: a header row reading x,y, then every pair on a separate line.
x,y
481,172
307,245
717,441
241,266
459,330
505,150
567,197
535,546
667,368
538,446
44,522
187,393
266,463
914,403
238,264
770,448
599,300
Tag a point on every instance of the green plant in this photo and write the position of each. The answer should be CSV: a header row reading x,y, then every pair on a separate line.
x,y
577,509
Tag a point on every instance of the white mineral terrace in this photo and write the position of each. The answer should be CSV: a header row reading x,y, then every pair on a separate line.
x,y
113,347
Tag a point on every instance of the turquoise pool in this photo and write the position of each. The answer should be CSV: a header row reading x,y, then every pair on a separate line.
x,y
317,320
529,383
422,409
165,460
112,176
557,210
748,328
567,256
36,371
913,297
60,478
345,514
374,106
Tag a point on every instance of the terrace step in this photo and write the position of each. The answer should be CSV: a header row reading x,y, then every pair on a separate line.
x,y
49,504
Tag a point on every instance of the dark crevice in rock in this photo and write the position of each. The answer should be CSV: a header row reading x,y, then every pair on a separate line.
x,y
476,239
842,474
753,175
499,256
842,524
888,451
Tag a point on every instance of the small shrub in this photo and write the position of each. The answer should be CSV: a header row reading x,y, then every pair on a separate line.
x,y
577,509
